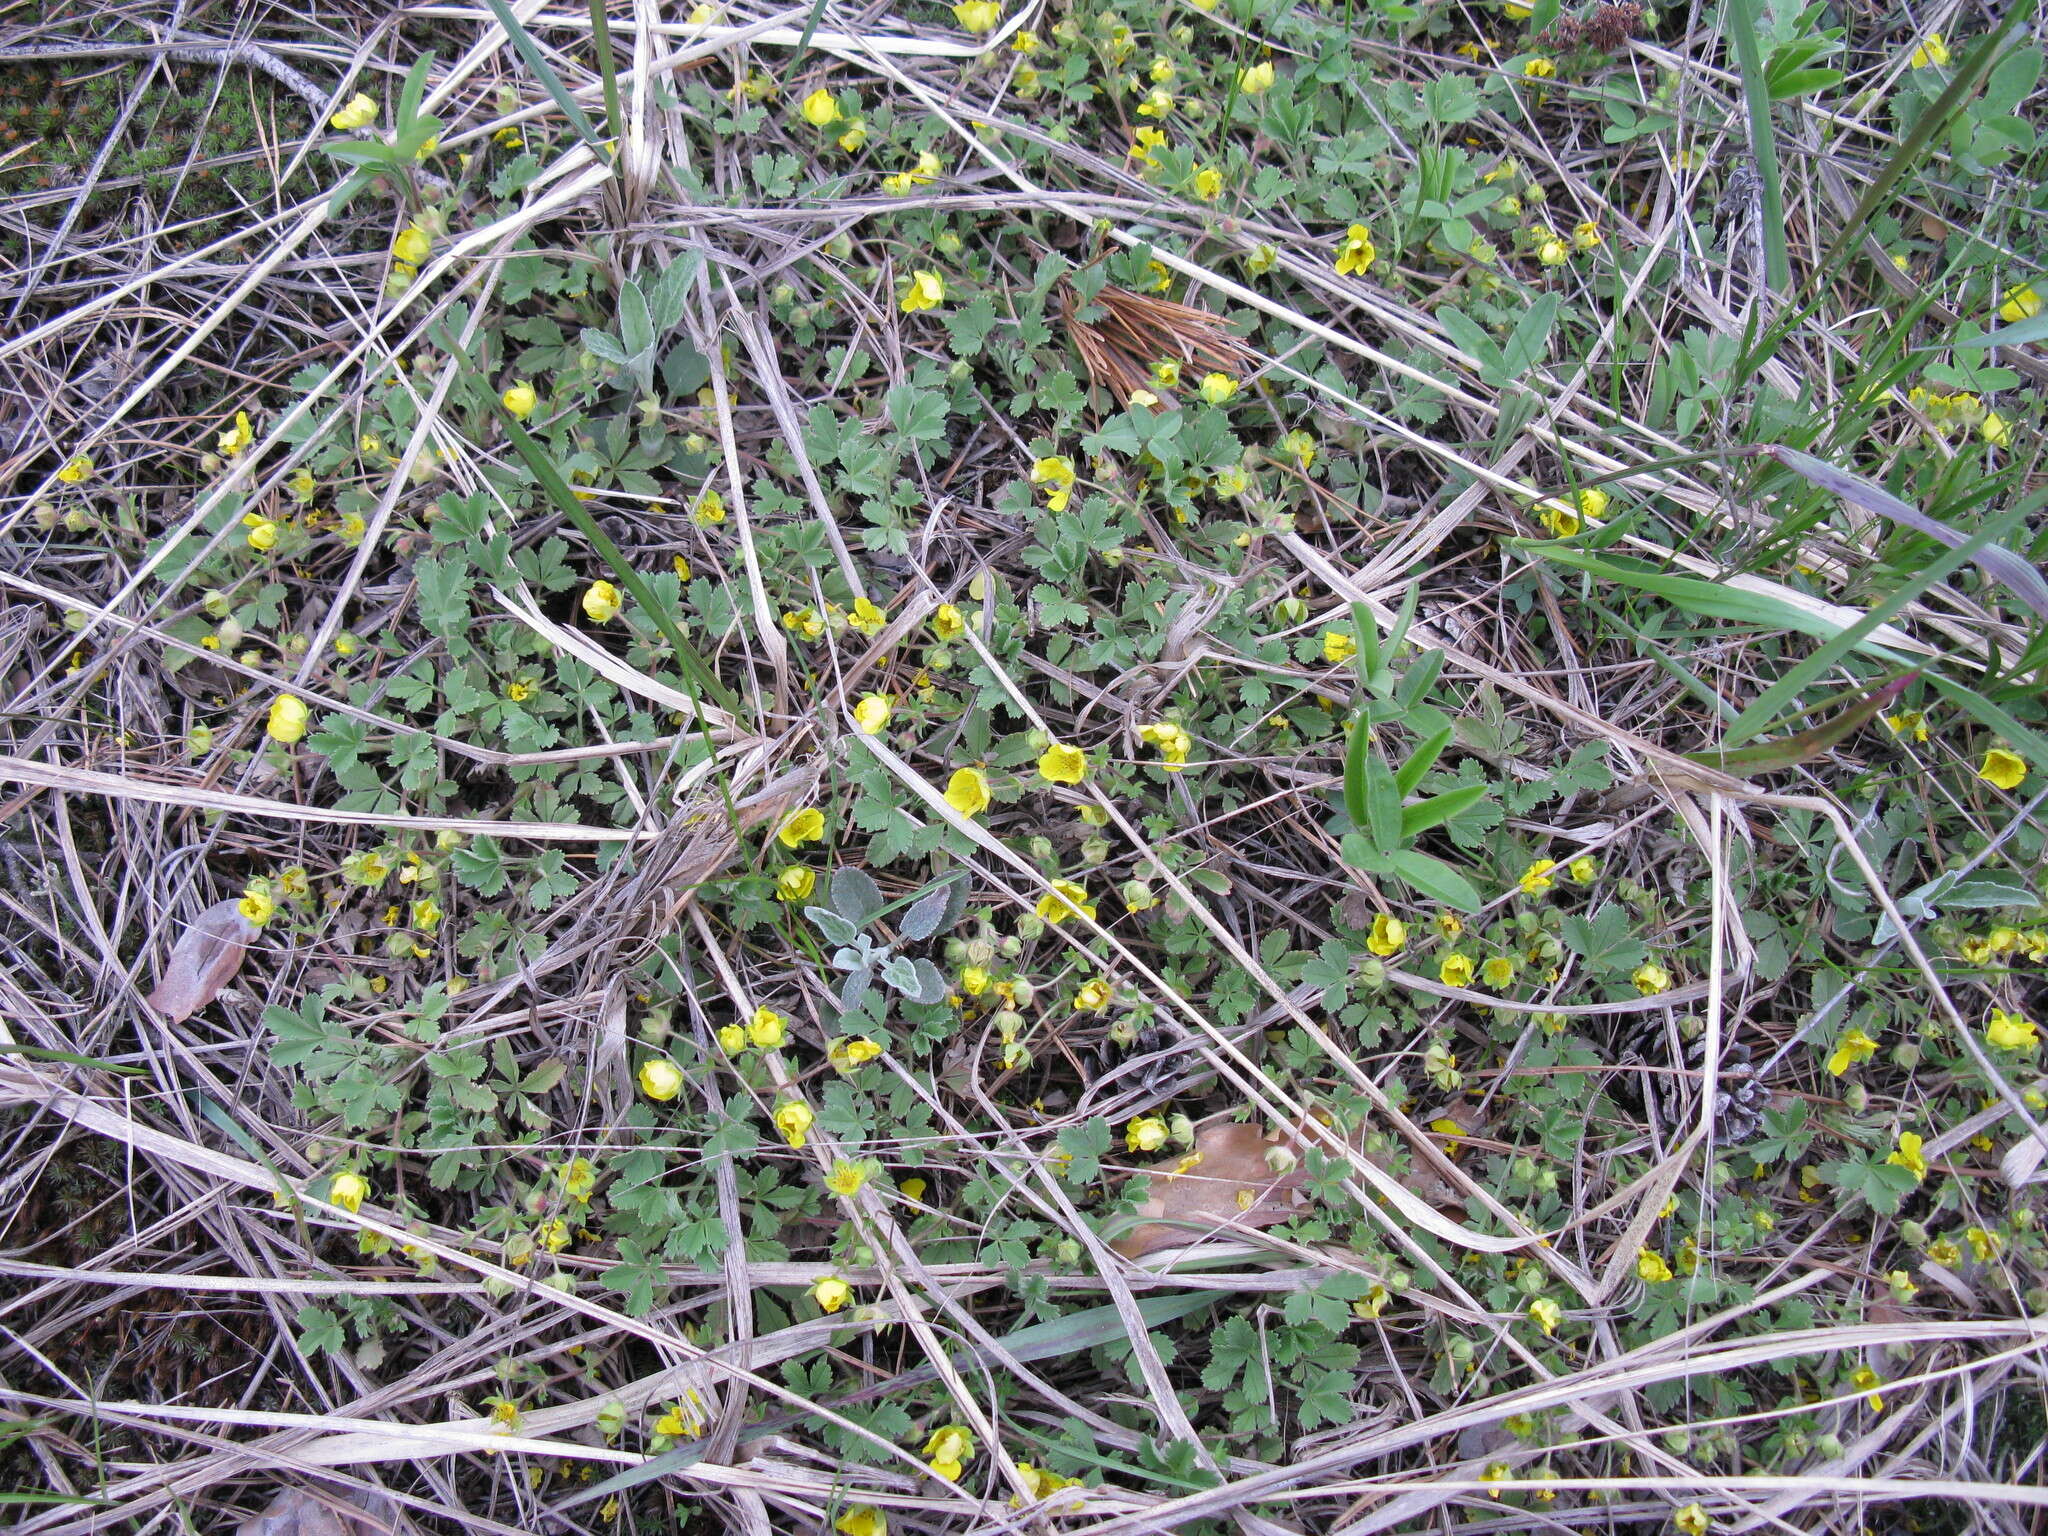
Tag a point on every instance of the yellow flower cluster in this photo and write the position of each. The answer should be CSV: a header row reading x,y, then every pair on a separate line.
x,y
1565,518
903,183
1172,741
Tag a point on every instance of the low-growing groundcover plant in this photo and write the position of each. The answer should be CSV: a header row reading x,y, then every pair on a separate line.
x,y
1270,765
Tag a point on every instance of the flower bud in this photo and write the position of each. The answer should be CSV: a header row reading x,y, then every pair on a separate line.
x,y
1021,991
1040,848
1857,1097
229,633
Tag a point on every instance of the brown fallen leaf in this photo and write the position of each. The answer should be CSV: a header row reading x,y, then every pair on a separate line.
x,y
303,1512
203,961
1224,1182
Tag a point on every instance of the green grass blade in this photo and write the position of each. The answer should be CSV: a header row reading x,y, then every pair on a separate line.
x,y
529,51
1775,699
703,682
1739,22
608,67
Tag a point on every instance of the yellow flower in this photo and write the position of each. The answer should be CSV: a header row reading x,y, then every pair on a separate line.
x,y
1158,102
974,980
1553,252
682,1420
1651,978
1856,1046
75,470
804,826
1537,877
1546,1314
1066,899
2011,1031
850,1051
1257,79
262,534
855,136
767,1029
948,1450
553,1235
831,1293
1650,1266
1172,741
1583,869
732,1038
866,618
349,1191
862,1520
510,138
1984,1246
948,623
1056,471
359,111
1455,970
413,245
967,791
819,109
236,438
1908,722
2021,303
978,16
2003,769
1864,1379
1024,42
1995,430
1063,765
1143,142
1586,236
927,289
1387,936
1147,1133
1338,646
803,622
426,914
1498,972
1094,995
871,714
793,1118
710,509
602,602
1539,69
1042,1484
1303,446
520,400
661,1079
1208,183
1217,388
846,1179
1932,50
1356,253
1909,1157
1692,1520
288,717
795,883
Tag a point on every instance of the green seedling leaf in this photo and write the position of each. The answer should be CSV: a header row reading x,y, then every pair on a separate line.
x,y
1435,879
855,896
1420,761
1438,809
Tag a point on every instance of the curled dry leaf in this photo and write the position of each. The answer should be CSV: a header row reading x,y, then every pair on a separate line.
x,y
202,962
